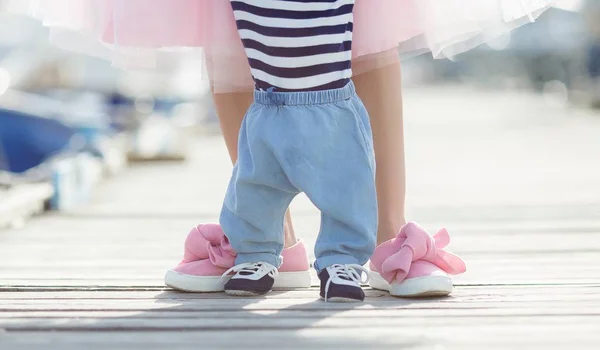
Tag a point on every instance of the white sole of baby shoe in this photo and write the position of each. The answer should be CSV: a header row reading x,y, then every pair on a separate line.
x,y
214,284
419,287
244,293
342,300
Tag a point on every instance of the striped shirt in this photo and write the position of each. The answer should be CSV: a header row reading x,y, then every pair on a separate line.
x,y
296,45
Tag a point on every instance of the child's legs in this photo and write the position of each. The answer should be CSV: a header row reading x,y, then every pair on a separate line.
x,y
381,92
231,108
257,198
329,156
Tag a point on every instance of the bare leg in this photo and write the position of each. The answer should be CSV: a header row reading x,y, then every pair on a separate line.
x,y
231,108
381,92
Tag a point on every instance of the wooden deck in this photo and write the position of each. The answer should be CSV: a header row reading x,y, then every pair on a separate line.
x,y
514,179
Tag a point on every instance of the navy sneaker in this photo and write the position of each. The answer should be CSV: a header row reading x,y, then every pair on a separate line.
x,y
251,279
341,283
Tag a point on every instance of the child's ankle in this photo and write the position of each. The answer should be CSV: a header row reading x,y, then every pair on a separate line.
x,y
389,230
289,235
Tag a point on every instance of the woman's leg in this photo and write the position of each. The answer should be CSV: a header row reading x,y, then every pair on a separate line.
x,y
231,108
381,91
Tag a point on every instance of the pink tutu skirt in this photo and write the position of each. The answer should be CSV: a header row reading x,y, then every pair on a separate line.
x,y
137,33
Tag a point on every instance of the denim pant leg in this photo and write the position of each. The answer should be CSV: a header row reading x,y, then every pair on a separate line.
x,y
329,156
257,198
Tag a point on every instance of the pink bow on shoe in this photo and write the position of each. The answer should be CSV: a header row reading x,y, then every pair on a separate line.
x,y
208,241
394,258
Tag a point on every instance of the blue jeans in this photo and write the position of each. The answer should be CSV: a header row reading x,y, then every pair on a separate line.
x,y
319,143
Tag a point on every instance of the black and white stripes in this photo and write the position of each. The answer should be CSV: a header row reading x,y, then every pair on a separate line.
x,y
297,45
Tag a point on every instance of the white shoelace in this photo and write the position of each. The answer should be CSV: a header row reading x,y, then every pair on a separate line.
x,y
253,269
345,274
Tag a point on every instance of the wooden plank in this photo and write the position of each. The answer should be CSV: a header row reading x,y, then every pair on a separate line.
x,y
374,296
472,314
584,307
534,292
157,283
113,225
556,268
89,249
276,322
115,247
161,220
320,338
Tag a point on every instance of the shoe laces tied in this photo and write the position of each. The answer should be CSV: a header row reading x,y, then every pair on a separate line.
x,y
348,272
248,269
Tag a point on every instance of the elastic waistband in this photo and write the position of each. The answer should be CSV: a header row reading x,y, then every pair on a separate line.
x,y
304,97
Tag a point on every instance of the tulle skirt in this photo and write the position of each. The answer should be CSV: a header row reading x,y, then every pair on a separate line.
x,y
136,34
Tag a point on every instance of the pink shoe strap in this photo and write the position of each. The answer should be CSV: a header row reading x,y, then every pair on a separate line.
x,y
414,243
208,241
222,255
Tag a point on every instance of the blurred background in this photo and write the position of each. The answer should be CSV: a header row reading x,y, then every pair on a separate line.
x,y
67,121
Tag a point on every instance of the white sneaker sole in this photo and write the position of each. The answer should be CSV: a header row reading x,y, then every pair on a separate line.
x,y
341,300
214,284
243,293
420,287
